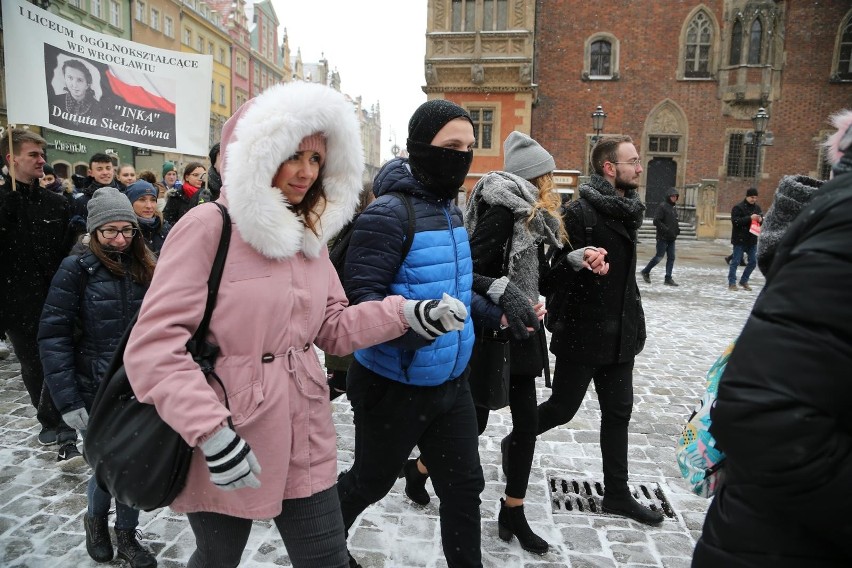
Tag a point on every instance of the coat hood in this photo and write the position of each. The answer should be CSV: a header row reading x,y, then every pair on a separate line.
x,y
263,133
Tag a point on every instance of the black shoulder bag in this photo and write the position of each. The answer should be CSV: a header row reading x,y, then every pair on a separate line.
x,y
136,457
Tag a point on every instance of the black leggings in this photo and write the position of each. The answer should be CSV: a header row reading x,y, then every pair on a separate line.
x,y
524,407
311,528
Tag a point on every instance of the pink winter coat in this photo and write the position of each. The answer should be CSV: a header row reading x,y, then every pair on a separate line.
x,y
279,296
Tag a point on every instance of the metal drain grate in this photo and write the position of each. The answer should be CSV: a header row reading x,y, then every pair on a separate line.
x,y
586,495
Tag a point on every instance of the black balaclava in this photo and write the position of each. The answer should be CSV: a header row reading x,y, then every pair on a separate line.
x,y
440,170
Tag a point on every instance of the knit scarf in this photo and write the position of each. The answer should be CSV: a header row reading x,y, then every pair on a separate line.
x,y
628,209
519,196
189,190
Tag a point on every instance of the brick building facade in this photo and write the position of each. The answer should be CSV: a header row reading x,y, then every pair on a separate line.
x,y
683,78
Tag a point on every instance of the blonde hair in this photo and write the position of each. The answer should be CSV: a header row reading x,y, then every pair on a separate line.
x,y
548,201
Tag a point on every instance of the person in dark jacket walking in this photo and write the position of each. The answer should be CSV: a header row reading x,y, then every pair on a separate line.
x,y
188,195
152,227
412,390
515,214
34,238
783,415
92,299
600,325
745,242
665,220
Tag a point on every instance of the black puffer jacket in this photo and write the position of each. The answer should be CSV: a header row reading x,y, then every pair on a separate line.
x,y
784,408
85,299
600,320
178,203
155,235
665,218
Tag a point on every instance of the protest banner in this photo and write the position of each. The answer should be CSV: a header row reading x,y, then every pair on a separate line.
x,y
66,77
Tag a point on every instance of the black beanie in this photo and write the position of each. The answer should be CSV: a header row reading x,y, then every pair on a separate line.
x,y
751,192
48,170
431,116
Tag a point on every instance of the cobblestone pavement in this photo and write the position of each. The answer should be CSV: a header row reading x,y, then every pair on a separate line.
x,y
41,507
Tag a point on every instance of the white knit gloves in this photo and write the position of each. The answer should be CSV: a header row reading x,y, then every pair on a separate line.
x,y
231,462
433,318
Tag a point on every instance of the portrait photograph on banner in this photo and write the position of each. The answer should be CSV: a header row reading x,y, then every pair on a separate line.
x,y
103,87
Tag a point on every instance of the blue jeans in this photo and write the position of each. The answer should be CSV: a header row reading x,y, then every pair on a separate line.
x,y
667,248
126,517
751,251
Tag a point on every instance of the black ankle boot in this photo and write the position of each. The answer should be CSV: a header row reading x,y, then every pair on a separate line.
x,y
131,551
98,544
512,521
415,483
627,506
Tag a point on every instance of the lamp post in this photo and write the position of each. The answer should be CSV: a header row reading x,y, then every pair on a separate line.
x,y
759,122
598,118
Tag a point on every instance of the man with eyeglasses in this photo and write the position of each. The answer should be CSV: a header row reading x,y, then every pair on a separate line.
x,y
600,324
34,238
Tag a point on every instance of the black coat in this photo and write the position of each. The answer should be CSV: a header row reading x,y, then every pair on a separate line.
x,y
488,249
155,236
34,238
784,409
89,303
741,222
178,203
601,321
665,219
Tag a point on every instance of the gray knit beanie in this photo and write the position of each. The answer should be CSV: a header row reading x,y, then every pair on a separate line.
x,y
792,195
525,157
107,205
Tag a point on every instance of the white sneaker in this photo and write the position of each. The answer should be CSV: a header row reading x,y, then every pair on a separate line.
x,y
4,350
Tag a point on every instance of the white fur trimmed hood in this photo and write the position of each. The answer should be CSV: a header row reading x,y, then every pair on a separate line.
x,y
263,133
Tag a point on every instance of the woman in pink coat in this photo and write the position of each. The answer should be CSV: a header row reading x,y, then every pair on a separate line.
x,y
292,174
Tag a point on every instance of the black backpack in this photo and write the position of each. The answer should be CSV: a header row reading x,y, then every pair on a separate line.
x,y
337,250
555,297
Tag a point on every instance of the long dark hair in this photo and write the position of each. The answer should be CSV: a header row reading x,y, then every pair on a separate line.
x,y
142,260
312,206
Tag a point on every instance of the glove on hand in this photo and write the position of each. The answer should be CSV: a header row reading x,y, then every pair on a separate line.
x,y
231,462
517,307
481,284
433,318
77,419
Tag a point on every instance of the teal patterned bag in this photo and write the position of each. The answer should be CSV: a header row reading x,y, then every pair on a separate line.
x,y
699,459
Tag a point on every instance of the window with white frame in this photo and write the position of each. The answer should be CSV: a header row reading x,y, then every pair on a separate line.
x,y
96,9
155,19
187,36
199,44
141,11
699,38
169,26
115,14
76,3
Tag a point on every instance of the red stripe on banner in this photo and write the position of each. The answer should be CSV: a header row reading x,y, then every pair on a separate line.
x,y
138,96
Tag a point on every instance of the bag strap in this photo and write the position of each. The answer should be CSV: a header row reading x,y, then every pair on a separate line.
x,y
201,350
409,232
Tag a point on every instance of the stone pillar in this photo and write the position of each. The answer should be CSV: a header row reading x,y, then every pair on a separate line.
x,y
708,195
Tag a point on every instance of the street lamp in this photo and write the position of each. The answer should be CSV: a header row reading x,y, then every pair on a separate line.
x,y
598,118
759,122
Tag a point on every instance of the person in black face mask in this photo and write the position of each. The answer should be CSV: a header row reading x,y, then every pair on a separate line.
x,y
413,391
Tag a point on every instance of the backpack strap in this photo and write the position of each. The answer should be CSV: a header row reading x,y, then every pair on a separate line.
x,y
412,222
590,219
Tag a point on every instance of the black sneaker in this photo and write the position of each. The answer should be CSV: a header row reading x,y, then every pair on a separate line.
x,y
70,459
670,282
47,436
646,277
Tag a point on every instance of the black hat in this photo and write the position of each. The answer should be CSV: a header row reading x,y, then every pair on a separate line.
x,y
751,192
430,118
48,170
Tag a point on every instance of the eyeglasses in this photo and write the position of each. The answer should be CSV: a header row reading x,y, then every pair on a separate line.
x,y
635,162
127,232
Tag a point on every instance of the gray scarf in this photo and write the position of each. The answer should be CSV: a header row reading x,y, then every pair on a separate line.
x,y
519,196
628,209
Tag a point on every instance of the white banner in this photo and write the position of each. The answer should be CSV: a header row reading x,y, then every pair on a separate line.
x,y
62,76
